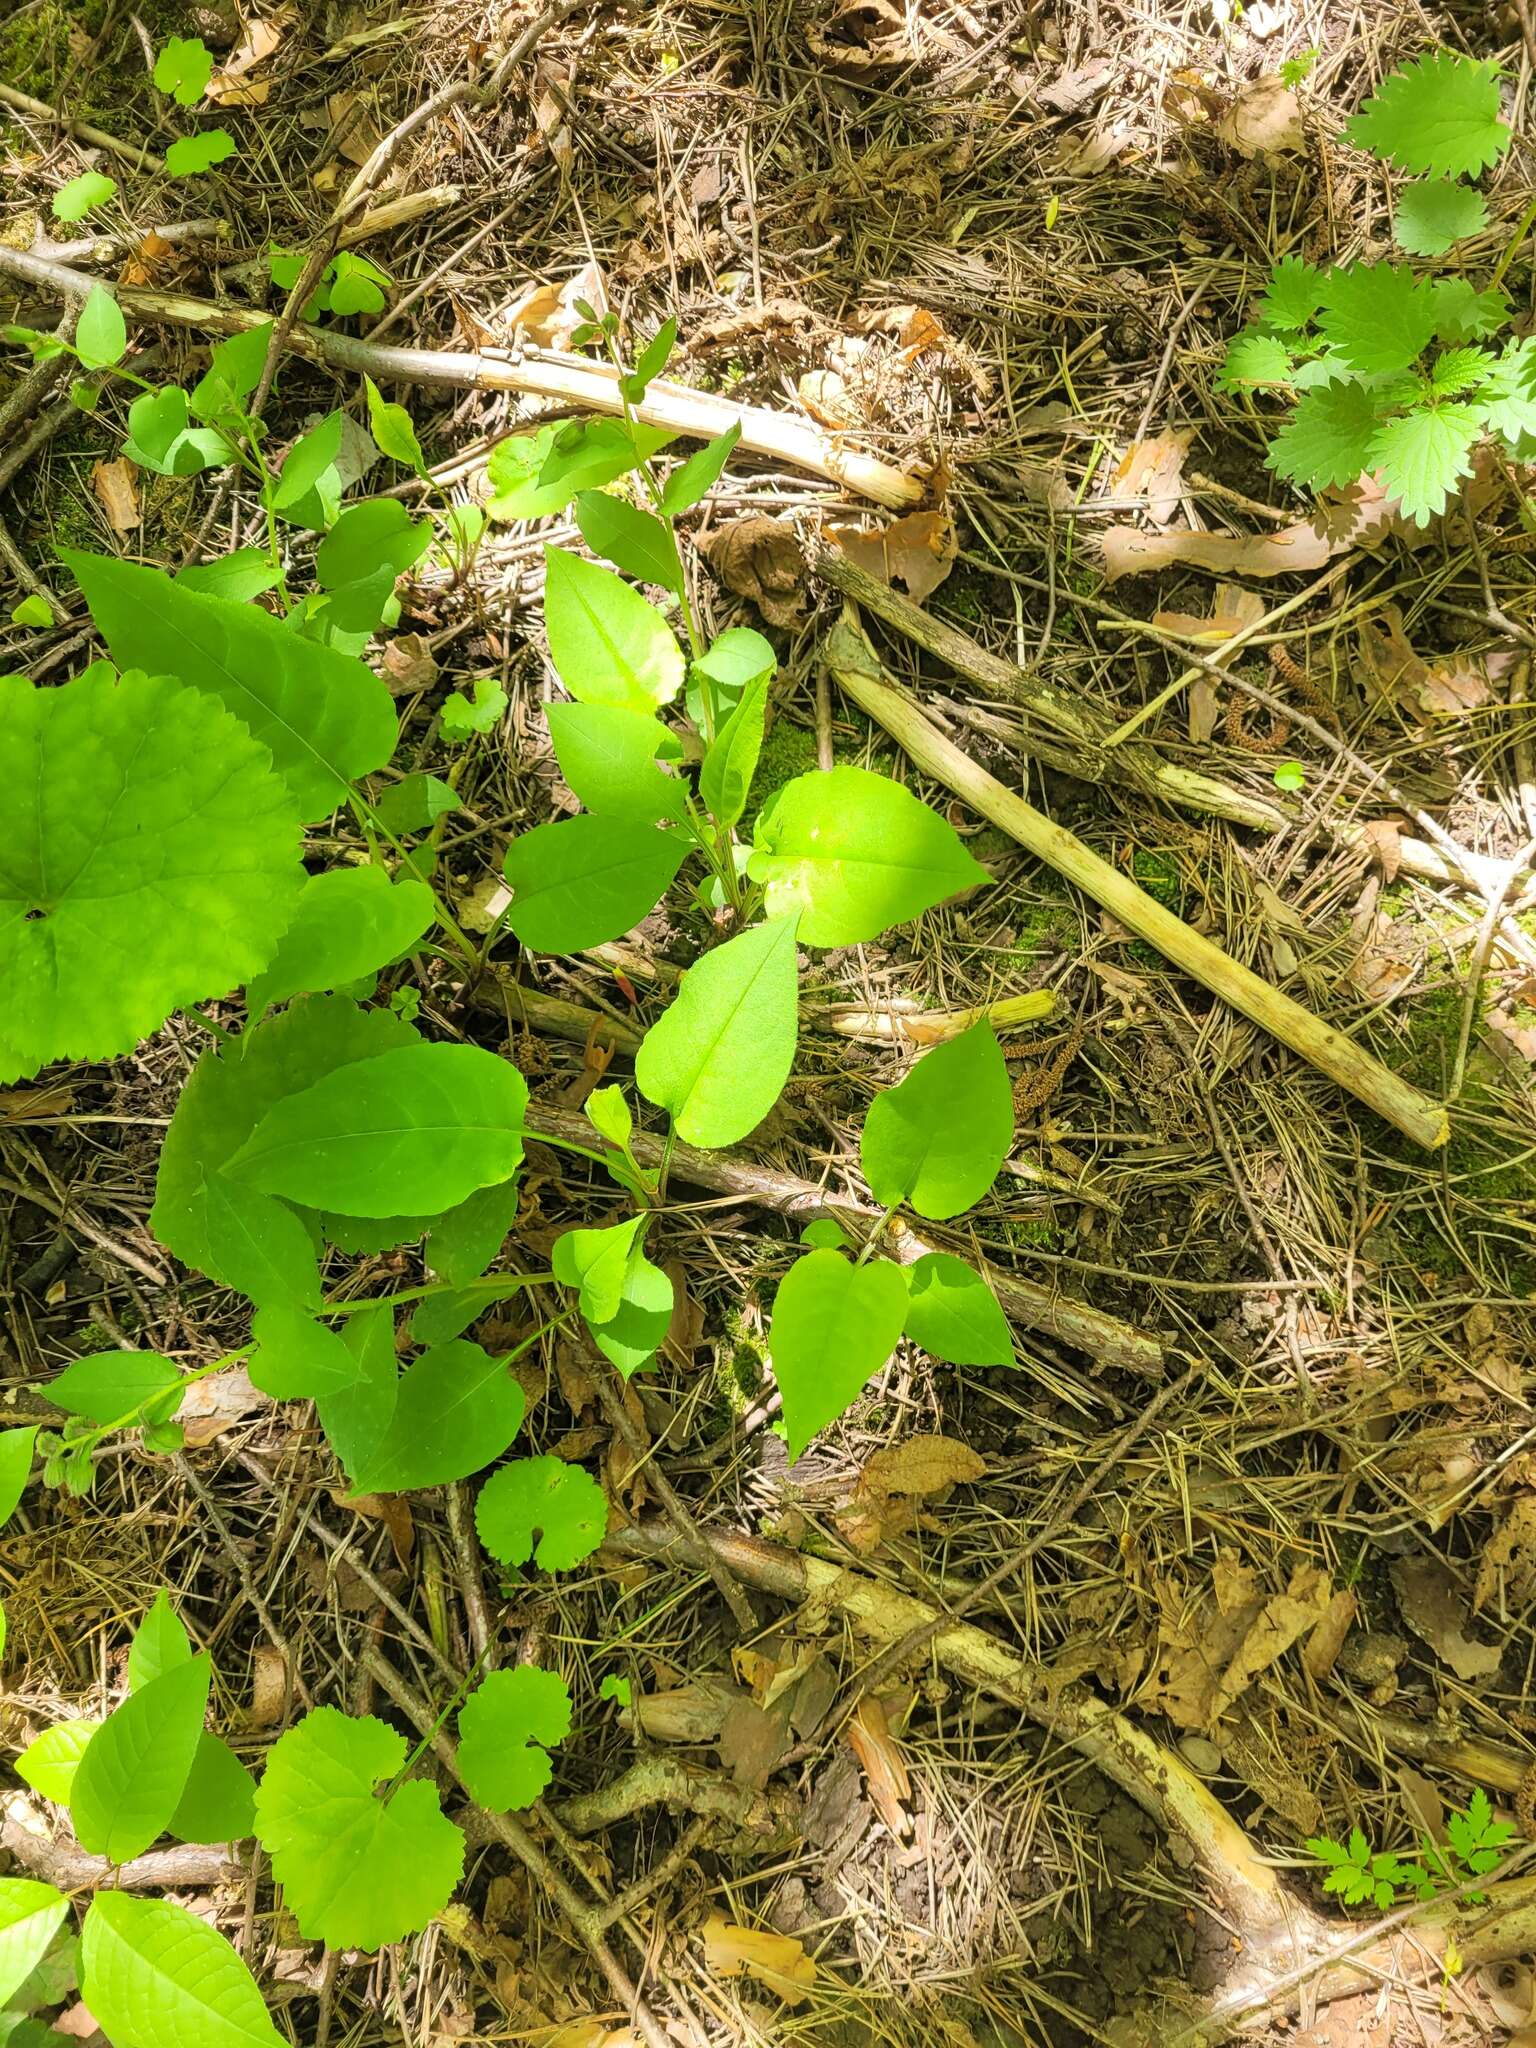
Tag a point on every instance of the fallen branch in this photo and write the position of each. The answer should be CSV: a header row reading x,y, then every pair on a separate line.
x,y
856,668
136,153
538,373
58,1860
690,1788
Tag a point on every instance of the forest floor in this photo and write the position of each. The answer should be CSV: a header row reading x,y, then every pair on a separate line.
x,y
1001,245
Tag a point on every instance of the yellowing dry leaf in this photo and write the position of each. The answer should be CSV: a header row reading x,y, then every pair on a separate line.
x,y
827,399
758,557
1128,551
148,261
885,1772
408,663
547,315
1431,1603
1327,1639
1233,609
114,484
209,1407
922,1465
1506,1572
1154,470
917,550
1264,119
353,130
913,327
862,37
1391,672
776,1961
230,86
269,1687
392,1509
22,1105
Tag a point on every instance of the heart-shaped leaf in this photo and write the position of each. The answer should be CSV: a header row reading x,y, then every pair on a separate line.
x,y
542,1508
938,1138
953,1314
834,1325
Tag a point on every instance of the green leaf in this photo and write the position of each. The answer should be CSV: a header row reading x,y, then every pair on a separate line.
x,y
349,922
834,1325
218,1803
651,363
423,1125
633,1334
954,1315
16,1447
1422,456
376,534
825,1235
32,611
82,195
32,1914
607,644
183,69
464,1239
156,1976
357,1419
617,1689
717,1059
234,371
737,658
582,881
49,1764
1462,313
1508,393
639,542
306,464
608,758
1290,776
191,155
356,285
161,439
693,479
326,718
1294,296
136,1765
416,802
111,1384
507,1728
101,339
534,475
610,1115
151,860
1436,213
856,853
456,1409
160,1644
1255,359
544,1509
1439,114
938,1138
393,429
1458,369
298,1359
1378,316
1327,440
357,1870
725,780
593,1262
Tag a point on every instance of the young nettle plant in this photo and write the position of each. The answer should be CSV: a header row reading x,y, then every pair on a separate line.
x,y
1385,365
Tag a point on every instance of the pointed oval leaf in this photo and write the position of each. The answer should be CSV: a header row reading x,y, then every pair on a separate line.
x,y
465,1239
692,479
582,881
151,860
507,1727
953,1314
938,1138
544,1509
356,1419
456,1409
594,1262
218,1802
608,759
31,1915
834,1325
637,1329
607,644
137,1764
113,1384
718,1058
357,1871
101,337
160,1643
155,1976
49,1764
725,780
16,1447
393,429
298,1359
348,923
535,474
637,542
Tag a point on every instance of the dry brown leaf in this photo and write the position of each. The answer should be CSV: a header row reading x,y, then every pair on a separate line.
x,y
922,1465
917,550
684,1713
210,1406
1264,119
1232,610
1327,1639
408,663
229,86
392,1509
149,260
1203,709
1522,1036
758,557
1254,1752
777,1961
880,1759
269,1687
913,327
862,37
354,133
826,397
1431,1603
1506,1572
78,2023
1386,842
22,1105
114,484
546,314
1393,673
753,1741
1128,551
1154,470
1069,91
1281,1622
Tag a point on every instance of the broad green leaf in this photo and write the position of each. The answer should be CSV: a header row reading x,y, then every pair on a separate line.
x,y
855,853
594,1262
953,1314
725,780
156,1976
607,644
32,611
533,475
938,1138
306,463
393,429
737,657
717,1059
1439,114
137,1764
297,1358
218,1803
326,717
442,1317
1459,369
357,1870
376,533
1508,393
637,1329
356,285
1294,296
49,1764
544,1509
112,1384
1254,359
349,922
1422,456
161,438
456,1409
1435,213
693,479
190,155
150,860
422,1126
507,1727
1327,439
610,1115
31,1914
415,803
1462,312
834,1325
463,717
1378,316
234,371
160,1643
825,1235
82,195
608,758
463,1240
582,881
101,338
637,542
16,1447
356,1419
183,69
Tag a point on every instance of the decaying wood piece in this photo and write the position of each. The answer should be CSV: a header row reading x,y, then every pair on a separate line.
x,y
856,669
59,1860
537,373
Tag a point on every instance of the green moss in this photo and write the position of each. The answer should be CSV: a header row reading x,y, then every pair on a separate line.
x,y
788,750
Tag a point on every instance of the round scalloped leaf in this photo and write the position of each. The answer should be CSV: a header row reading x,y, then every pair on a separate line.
x,y
1436,212
542,1508
357,1870
151,859
507,1726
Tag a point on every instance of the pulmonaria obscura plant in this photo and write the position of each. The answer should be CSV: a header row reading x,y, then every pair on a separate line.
x,y
1388,367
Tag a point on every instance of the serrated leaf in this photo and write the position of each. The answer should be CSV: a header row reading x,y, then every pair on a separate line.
x,y
217,1803
953,1314
101,336
31,1915
1328,438
183,69
507,1728
420,1127
855,853
1378,316
1438,114
136,1765
833,1326
938,1138
151,860
455,1410
607,644
49,1764
718,1057
16,1448
297,1358
725,779
580,882
160,1644
1432,215
635,541
1255,359
348,922
544,1509
1295,293
190,155
326,718
156,1976
357,1871
608,759
695,478
1462,313
1423,455
1326,1850
1508,393
1458,369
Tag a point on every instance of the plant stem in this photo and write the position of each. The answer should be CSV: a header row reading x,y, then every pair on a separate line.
x,y
1527,222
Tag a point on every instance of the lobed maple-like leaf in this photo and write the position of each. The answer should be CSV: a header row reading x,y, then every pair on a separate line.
x,y
507,1728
